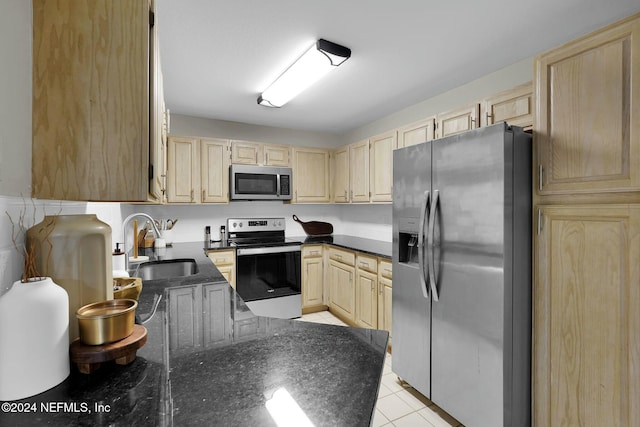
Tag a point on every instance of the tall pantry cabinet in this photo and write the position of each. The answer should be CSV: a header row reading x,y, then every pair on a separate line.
x,y
95,101
586,292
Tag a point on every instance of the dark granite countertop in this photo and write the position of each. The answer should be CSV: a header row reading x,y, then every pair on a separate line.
x,y
209,361
374,247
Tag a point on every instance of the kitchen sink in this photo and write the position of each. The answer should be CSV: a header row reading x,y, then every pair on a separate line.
x,y
153,270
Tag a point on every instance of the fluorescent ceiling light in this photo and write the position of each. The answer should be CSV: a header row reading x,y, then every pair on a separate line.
x,y
321,58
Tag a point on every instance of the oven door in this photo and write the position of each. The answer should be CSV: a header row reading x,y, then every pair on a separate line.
x,y
269,280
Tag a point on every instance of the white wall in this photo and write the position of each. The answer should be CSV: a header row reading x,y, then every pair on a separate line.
x,y
15,97
196,126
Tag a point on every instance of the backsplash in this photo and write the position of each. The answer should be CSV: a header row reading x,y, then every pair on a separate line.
x,y
366,220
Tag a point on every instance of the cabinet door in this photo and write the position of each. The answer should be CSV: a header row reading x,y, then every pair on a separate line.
x,y
245,153
340,174
417,133
586,319
312,269
366,299
157,136
457,121
381,166
342,291
587,122
514,106
225,262
310,175
359,171
185,318
216,314
183,172
277,155
91,100
384,304
215,170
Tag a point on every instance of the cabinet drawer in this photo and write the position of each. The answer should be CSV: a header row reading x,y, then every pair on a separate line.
x,y
385,269
311,251
222,257
342,256
367,263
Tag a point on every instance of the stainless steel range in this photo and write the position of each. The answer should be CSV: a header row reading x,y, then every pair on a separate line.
x,y
268,272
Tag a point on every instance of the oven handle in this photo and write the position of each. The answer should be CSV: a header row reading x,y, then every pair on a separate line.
x,y
268,250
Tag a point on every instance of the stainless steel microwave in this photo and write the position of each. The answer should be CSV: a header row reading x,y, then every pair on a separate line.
x,y
247,182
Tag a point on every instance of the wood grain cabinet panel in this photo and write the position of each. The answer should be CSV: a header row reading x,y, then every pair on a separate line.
x,y
416,133
457,121
311,182
514,106
587,123
381,166
586,364
340,173
359,171
91,100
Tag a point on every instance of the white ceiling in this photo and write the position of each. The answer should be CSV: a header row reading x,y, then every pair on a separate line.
x,y
218,55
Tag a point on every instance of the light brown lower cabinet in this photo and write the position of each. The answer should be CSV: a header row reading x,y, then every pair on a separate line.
x,y
225,262
312,279
586,325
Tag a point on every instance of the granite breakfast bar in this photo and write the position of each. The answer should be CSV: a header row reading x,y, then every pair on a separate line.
x,y
209,361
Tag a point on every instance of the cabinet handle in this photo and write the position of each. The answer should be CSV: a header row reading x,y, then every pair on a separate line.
x,y
540,171
380,286
539,221
315,253
345,194
364,264
388,270
203,194
192,195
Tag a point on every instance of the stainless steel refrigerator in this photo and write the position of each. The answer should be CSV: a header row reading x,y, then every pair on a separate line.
x,y
461,301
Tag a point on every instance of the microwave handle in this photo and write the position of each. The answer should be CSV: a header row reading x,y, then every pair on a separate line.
x,y
278,185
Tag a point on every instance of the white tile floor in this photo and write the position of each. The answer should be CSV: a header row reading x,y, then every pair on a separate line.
x,y
399,404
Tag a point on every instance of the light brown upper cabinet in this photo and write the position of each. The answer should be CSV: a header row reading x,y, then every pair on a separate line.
x,y
246,153
91,100
514,106
340,172
198,170
277,155
417,132
587,121
457,121
381,166
258,153
310,175
359,171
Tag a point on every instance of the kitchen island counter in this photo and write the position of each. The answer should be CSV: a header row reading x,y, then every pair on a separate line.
x,y
209,361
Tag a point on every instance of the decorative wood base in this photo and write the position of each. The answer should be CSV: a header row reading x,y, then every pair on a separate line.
x,y
88,358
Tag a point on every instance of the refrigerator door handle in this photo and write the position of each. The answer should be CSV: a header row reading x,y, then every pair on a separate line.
x,y
431,244
421,245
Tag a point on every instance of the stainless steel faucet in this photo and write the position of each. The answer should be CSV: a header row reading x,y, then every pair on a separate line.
x,y
124,233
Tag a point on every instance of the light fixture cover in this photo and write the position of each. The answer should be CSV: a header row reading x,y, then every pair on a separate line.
x,y
321,58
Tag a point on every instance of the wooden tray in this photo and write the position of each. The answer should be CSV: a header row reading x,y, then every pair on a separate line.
x,y
90,357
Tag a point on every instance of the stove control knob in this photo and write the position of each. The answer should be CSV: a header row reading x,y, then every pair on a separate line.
x,y
279,223
240,225
235,224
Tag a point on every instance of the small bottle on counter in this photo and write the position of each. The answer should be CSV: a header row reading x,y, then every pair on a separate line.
x,y
207,236
223,235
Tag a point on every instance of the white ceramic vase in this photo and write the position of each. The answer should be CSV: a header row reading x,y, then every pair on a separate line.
x,y
34,338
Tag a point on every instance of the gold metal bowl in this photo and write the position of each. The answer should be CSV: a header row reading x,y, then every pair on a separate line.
x,y
106,321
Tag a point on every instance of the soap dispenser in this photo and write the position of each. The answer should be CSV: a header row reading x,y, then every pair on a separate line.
x,y
119,258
